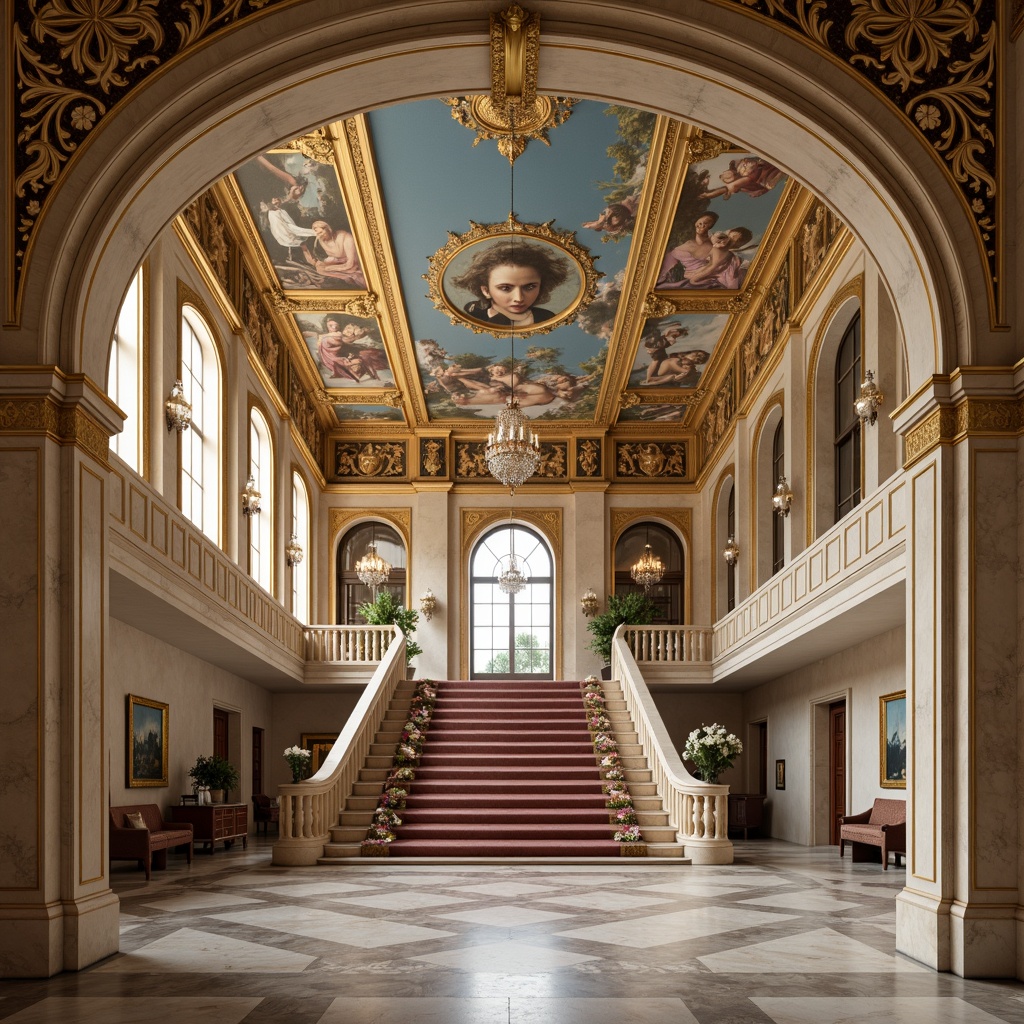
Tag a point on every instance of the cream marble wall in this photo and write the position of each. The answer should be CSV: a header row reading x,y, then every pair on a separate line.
x,y
143,665
862,673
292,714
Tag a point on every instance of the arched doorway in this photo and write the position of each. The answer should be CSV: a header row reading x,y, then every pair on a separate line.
x,y
511,633
351,591
668,594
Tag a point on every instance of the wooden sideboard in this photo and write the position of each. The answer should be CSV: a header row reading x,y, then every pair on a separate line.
x,y
214,823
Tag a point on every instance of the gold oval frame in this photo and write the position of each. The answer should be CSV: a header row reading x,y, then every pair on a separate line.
x,y
459,247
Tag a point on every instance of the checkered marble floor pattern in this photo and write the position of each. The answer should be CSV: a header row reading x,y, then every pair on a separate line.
x,y
786,934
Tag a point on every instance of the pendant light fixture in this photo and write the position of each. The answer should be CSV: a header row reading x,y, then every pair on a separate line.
x,y
512,580
513,450
648,569
371,569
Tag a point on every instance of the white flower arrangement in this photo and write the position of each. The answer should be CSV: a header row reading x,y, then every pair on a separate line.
x,y
712,750
299,760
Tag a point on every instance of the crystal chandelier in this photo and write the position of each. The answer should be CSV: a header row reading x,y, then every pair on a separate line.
x,y
372,569
513,450
512,580
648,569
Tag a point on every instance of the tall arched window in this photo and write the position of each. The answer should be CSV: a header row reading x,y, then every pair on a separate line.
x,y
352,592
730,531
778,522
124,375
511,633
668,594
261,527
200,444
300,531
848,433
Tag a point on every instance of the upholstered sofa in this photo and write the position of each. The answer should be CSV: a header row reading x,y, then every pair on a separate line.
x,y
883,826
147,845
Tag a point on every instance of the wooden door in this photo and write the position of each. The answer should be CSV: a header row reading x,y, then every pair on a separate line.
x,y
762,766
220,733
836,767
257,760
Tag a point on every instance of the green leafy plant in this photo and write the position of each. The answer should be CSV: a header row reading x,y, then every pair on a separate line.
x,y
384,610
632,608
214,772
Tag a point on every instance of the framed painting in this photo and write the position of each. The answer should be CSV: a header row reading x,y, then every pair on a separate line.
x,y
319,744
780,774
512,278
892,740
146,755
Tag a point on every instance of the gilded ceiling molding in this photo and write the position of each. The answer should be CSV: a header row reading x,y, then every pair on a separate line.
x,y
851,290
362,305
318,145
938,66
479,114
703,146
30,414
339,519
970,417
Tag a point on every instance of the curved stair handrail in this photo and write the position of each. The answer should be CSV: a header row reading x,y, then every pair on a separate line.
x,y
309,808
697,810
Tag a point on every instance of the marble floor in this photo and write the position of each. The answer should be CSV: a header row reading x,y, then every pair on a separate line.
x,y
786,934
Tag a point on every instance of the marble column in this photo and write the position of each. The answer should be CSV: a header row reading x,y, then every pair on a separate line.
x,y
959,906
57,911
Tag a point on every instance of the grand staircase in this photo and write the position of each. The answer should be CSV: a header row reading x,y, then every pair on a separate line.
x,y
508,770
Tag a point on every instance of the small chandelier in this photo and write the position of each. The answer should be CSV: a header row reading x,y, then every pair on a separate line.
x,y
511,580
371,568
870,399
251,498
589,603
428,603
513,451
782,499
293,551
731,551
648,570
177,409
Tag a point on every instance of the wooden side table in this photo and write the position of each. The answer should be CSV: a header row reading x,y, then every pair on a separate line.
x,y
746,811
214,823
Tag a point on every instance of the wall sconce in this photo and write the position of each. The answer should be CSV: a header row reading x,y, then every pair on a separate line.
x,y
782,499
589,603
731,551
293,551
250,498
177,409
870,399
427,604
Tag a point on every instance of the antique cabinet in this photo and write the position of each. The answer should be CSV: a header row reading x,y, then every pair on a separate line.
x,y
214,823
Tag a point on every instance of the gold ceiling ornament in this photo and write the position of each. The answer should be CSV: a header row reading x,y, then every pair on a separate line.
x,y
533,121
392,398
627,399
515,50
657,306
569,279
703,146
317,145
364,306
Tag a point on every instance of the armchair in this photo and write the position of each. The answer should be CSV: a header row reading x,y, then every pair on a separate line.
x,y
266,812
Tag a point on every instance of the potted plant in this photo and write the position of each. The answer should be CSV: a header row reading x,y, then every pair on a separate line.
x,y
216,774
384,610
632,608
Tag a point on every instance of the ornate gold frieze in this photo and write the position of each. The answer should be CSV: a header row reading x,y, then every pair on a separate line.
x,y
650,459
588,457
339,518
765,330
33,415
622,518
364,306
433,457
719,415
554,461
971,416
656,306
204,220
317,145
302,410
364,459
471,461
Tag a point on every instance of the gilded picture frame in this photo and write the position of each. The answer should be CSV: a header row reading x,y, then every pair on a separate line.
x,y
462,278
319,744
892,740
147,739
780,774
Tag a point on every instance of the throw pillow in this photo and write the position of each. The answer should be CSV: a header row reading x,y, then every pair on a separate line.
x,y
133,819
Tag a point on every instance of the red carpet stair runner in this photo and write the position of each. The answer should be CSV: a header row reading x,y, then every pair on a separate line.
x,y
505,769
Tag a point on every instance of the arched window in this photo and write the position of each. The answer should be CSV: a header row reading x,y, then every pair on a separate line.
x,y
124,375
200,444
730,531
778,522
668,594
261,527
300,531
511,633
848,434
352,592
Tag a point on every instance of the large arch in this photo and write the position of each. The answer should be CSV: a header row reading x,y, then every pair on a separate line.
x,y
276,76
